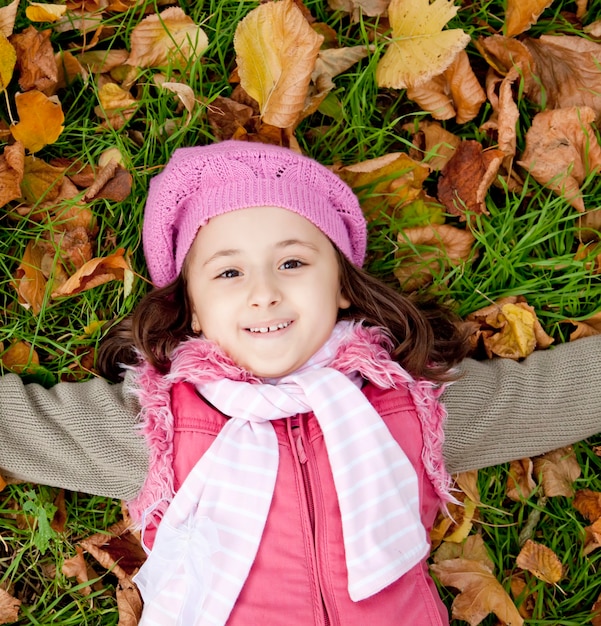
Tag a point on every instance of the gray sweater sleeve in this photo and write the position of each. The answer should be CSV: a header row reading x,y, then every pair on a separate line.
x,y
82,436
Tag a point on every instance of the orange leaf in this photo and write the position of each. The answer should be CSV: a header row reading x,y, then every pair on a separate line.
x,y
36,59
76,567
41,120
520,483
31,282
588,503
521,14
558,469
19,357
12,165
540,561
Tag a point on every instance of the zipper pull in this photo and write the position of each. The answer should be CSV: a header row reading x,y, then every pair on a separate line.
x,y
300,449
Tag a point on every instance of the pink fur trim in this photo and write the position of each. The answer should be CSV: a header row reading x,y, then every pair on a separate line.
x,y
363,349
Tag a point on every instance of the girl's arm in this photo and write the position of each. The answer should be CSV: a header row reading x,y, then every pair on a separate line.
x,y
80,436
502,410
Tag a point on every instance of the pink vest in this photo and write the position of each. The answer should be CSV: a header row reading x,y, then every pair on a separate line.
x,y
299,575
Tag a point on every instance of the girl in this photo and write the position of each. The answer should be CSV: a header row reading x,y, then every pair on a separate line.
x,y
289,403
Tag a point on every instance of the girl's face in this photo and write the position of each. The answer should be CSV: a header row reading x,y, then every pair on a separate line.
x,y
264,285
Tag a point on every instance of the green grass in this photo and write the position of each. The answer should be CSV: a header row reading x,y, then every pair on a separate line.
x,y
525,246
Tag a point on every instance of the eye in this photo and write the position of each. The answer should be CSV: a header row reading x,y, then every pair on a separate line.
x,y
291,264
229,274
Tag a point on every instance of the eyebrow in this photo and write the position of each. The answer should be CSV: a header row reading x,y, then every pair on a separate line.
x,y
281,244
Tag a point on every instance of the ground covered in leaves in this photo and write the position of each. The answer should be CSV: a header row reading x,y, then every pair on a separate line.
x,y
469,131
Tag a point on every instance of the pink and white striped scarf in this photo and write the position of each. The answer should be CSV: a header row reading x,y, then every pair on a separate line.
x,y
210,534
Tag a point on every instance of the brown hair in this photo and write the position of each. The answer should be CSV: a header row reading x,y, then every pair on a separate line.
x,y
428,338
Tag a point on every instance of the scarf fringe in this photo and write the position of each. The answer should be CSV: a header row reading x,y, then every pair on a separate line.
x,y
365,349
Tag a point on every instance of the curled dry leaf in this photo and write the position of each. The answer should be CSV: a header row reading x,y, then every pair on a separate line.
x,y
359,7
8,58
76,567
587,327
588,504
557,470
562,150
276,51
95,272
35,59
592,537
9,607
433,144
428,250
593,29
419,48
454,93
228,117
184,93
540,561
521,14
169,37
454,524
12,166
41,120
481,593
8,14
30,280
520,483
465,179
129,602
37,12
568,72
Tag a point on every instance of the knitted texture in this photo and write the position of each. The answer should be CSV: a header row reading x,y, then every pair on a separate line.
x,y
206,181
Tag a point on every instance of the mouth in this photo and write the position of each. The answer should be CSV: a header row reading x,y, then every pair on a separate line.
x,y
269,329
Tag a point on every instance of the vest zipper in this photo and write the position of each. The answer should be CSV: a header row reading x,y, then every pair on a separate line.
x,y
302,457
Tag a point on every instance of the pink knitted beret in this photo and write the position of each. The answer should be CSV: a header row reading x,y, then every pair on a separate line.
x,y
202,182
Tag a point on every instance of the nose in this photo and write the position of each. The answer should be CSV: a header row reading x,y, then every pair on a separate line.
x,y
264,290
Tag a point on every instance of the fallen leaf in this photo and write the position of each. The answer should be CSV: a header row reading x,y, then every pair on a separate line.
x,y
428,250
359,7
468,483
520,15
520,590
35,59
76,567
464,528
592,537
102,61
30,280
227,117
184,93
465,179
129,603
60,515
276,51
473,549
168,37
586,328
8,58
419,48
19,357
8,14
540,561
558,470
481,593
454,93
9,607
93,273
434,144
520,483
41,120
562,150
588,504
12,166
37,12
41,181
117,105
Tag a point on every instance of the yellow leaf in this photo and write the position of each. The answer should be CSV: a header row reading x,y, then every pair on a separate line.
x,y
37,12
19,357
8,58
521,14
41,120
463,530
419,49
276,52
170,36
540,561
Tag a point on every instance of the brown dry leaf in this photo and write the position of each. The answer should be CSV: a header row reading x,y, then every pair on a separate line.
x,y
184,93
520,15
472,549
389,182
30,280
520,590
463,529
455,523
520,483
434,144
454,93
102,61
562,150
9,607
37,12
592,537
35,59
8,58
593,29
19,357
468,483
41,120
419,48
12,166
568,72
227,117
442,246
587,327
276,51
118,187
558,470
481,593
504,54
540,561
41,181
169,37
465,179
129,602
76,567
117,105
60,516
8,14
588,504
359,7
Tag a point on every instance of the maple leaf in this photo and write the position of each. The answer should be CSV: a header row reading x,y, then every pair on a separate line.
x,y
521,14
558,470
419,49
12,166
481,593
562,150
41,120
35,58
169,37
9,607
276,51
540,561
8,58
454,93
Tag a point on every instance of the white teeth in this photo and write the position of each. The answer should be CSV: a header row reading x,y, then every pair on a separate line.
x,y
270,329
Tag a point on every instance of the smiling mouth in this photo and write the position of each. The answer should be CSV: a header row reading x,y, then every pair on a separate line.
x,y
269,329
